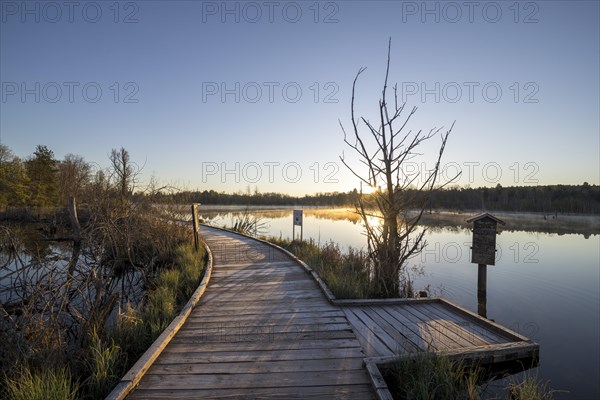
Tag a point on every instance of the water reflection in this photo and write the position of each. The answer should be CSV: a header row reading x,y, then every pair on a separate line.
x,y
482,290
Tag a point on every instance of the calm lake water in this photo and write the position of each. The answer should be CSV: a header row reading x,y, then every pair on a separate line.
x,y
544,285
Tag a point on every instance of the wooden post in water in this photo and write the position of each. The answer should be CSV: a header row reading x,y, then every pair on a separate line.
x,y
76,235
195,225
482,290
483,253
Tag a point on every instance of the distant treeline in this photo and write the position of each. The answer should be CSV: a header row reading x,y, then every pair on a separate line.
x,y
583,199
211,197
40,180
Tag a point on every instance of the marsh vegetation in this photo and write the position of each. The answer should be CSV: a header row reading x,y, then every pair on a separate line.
x,y
81,301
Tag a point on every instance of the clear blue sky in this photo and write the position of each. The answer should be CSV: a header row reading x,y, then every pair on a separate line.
x,y
175,58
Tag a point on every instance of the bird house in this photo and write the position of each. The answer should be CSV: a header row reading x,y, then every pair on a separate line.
x,y
483,249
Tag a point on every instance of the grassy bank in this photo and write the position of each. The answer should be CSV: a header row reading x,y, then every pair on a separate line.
x,y
106,353
345,274
427,376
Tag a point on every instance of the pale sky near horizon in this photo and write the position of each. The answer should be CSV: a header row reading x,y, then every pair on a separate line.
x,y
226,95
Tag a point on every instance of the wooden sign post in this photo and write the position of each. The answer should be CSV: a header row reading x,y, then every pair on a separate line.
x,y
483,253
297,221
196,225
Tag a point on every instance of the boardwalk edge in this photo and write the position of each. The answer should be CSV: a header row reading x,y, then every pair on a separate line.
x,y
137,371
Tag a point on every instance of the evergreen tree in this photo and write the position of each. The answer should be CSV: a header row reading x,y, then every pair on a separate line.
x,y
14,182
42,171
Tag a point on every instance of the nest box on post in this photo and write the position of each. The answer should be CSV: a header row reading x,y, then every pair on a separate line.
x,y
483,250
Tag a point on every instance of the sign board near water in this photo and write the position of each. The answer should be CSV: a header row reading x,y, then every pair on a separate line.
x,y
483,250
298,217
297,221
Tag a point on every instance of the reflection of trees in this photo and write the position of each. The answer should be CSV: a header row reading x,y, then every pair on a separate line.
x,y
520,222
438,221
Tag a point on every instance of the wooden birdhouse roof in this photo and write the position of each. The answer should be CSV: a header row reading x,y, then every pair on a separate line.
x,y
486,215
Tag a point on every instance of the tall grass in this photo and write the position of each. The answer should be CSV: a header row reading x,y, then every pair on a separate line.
x,y
346,275
136,328
530,388
106,363
49,384
131,333
427,376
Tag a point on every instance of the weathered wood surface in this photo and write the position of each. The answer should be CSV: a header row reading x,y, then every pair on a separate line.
x,y
390,330
263,329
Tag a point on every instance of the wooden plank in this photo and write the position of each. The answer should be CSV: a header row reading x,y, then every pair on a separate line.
x,y
284,320
298,284
404,343
472,327
176,347
290,353
279,296
482,354
265,335
257,277
462,338
273,292
381,334
251,367
406,329
273,329
480,326
308,315
371,343
427,328
490,325
258,309
259,284
257,274
257,264
396,301
282,379
349,392
422,338
378,382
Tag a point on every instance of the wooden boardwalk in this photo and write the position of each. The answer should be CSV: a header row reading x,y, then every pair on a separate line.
x,y
387,330
265,329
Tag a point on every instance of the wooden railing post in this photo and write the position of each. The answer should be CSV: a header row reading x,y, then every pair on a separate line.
x,y
196,225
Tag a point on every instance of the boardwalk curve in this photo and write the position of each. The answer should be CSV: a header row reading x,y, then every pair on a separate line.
x,y
263,329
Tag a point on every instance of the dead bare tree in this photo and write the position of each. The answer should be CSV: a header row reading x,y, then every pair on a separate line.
x,y
383,150
73,176
123,172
